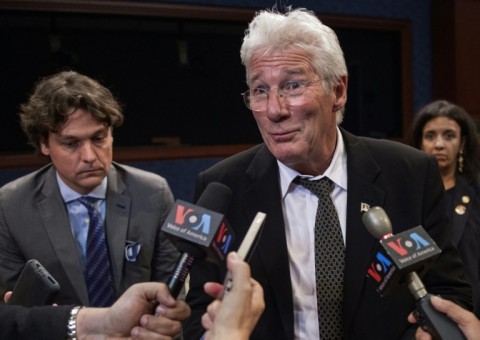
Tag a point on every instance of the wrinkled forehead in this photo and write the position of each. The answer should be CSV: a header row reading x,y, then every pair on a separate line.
x,y
289,61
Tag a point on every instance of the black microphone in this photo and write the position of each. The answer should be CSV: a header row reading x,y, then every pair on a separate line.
x,y
199,231
401,259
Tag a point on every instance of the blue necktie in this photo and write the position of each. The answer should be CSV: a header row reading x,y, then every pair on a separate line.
x,y
98,277
329,260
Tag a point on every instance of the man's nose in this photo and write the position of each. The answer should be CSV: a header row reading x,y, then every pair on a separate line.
x,y
276,105
87,152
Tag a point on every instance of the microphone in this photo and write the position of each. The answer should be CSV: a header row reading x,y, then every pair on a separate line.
x,y
403,258
410,251
199,231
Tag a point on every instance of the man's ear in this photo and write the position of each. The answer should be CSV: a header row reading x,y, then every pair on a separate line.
x,y
44,147
340,92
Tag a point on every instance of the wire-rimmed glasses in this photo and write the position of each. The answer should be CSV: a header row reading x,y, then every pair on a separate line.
x,y
291,93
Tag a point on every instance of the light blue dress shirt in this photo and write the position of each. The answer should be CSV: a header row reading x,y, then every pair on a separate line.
x,y
78,214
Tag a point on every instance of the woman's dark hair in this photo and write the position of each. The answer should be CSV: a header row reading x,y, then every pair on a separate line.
x,y
468,130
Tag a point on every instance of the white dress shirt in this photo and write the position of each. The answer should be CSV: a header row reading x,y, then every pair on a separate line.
x,y
299,210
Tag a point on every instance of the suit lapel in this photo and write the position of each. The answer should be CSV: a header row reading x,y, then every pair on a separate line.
x,y
263,195
55,219
117,220
360,245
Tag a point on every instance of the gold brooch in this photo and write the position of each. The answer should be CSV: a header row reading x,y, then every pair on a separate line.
x,y
460,209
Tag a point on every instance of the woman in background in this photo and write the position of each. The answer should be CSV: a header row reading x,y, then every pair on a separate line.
x,y
447,131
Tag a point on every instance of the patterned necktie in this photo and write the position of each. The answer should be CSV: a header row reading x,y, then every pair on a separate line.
x,y
98,277
329,260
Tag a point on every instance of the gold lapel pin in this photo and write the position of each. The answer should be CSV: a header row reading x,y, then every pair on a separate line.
x,y
460,209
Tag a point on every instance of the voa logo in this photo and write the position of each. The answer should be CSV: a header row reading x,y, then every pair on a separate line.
x,y
189,218
405,246
224,238
379,268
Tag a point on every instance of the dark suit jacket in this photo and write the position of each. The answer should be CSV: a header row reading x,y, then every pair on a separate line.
x,y
34,223
46,322
466,232
404,181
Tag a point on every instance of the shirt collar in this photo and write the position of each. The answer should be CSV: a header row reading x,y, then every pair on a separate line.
x,y
69,195
336,171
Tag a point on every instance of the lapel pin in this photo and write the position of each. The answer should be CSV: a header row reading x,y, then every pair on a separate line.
x,y
364,207
460,209
132,250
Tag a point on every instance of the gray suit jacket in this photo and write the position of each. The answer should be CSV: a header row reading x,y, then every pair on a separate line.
x,y
34,223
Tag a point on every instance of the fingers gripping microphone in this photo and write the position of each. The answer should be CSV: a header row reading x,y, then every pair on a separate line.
x,y
401,259
199,231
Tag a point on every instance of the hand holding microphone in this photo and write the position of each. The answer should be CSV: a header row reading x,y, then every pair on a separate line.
x,y
468,323
399,261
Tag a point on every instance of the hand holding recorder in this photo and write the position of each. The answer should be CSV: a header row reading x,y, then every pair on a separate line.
x,y
234,316
240,310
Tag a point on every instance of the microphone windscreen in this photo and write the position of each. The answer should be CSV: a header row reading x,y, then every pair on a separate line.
x,y
377,222
216,197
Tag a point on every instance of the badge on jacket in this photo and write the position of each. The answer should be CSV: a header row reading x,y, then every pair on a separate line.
x,y
460,209
132,249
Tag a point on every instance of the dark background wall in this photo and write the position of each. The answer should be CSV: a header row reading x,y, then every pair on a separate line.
x,y
417,12
159,105
180,79
192,94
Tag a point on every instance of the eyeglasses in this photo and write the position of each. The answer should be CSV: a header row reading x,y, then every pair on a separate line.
x,y
291,93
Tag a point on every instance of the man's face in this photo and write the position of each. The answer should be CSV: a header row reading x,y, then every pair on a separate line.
x,y
300,131
81,151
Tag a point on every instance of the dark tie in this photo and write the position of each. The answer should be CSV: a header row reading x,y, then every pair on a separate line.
x,y
98,277
329,260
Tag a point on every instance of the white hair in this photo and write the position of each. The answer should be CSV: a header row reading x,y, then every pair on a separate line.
x,y
298,28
